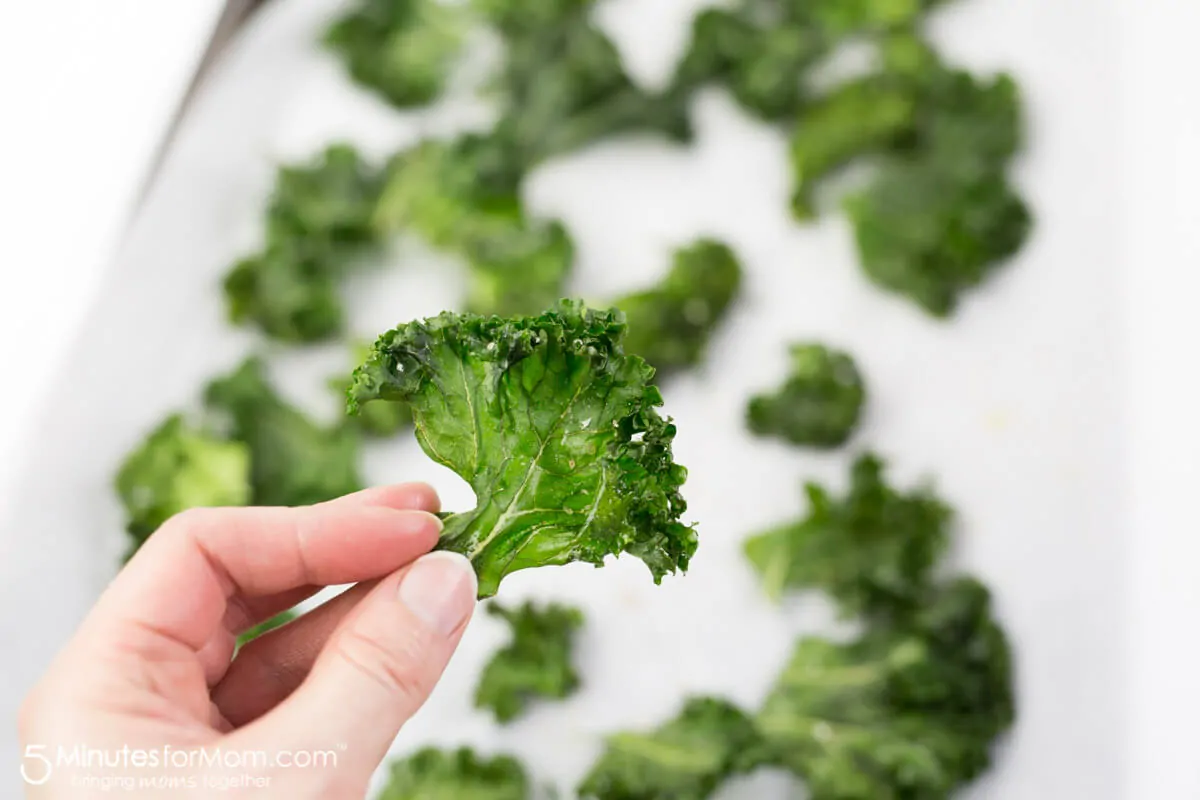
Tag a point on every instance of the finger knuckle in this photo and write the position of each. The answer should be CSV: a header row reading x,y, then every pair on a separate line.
x,y
397,662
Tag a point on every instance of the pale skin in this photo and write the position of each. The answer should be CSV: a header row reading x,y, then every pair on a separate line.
x,y
153,667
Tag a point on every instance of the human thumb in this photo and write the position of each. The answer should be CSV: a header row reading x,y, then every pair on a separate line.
x,y
377,669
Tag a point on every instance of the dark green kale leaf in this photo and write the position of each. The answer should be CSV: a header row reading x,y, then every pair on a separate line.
x,y
176,468
928,233
536,663
563,86
907,711
686,759
820,403
670,324
319,217
433,774
402,49
552,425
462,196
377,419
858,118
873,551
293,460
266,626
762,64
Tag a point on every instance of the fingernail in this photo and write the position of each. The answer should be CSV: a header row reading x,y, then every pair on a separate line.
x,y
440,589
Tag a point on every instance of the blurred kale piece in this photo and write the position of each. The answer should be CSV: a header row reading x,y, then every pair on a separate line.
x,y
857,118
179,467
432,774
554,427
873,550
938,218
685,759
909,710
402,49
535,664
462,196
819,404
266,626
319,216
293,460
670,324
562,85
378,419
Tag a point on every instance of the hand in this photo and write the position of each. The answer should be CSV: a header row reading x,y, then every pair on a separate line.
x,y
152,668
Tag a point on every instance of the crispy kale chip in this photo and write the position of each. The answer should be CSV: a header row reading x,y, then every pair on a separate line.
x,y
462,197
402,49
820,403
907,711
554,427
563,86
670,324
686,759
873,550
763,64
294,461
176,468
432,774
938,219
319,216
862,117
536,663
378,419
266,626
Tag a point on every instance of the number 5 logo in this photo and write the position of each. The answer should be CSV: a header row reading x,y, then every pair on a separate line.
x,y
34,752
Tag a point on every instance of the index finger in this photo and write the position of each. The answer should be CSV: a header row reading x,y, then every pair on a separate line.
x,y
180,583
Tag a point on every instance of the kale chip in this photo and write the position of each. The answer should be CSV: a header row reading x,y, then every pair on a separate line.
x,y
319,216
433,774
685,759
377,419
873,551
176,468
536,663
462,197
907,711
403,50
670,324
293,460
820,403
562,84
553,426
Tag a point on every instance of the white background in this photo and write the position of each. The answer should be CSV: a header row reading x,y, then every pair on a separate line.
x,y
88,92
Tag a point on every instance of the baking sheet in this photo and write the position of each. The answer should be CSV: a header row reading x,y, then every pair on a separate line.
x,y
1014,407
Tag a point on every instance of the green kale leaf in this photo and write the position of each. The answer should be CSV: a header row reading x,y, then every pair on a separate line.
x,y
873,551
266,626
177,468
907,711
686,759
402,49
319,217
432,774
536,663
670,324
927,233
293,460
563,86
552,425
763,65
462,197
820,403
858,118
377,419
